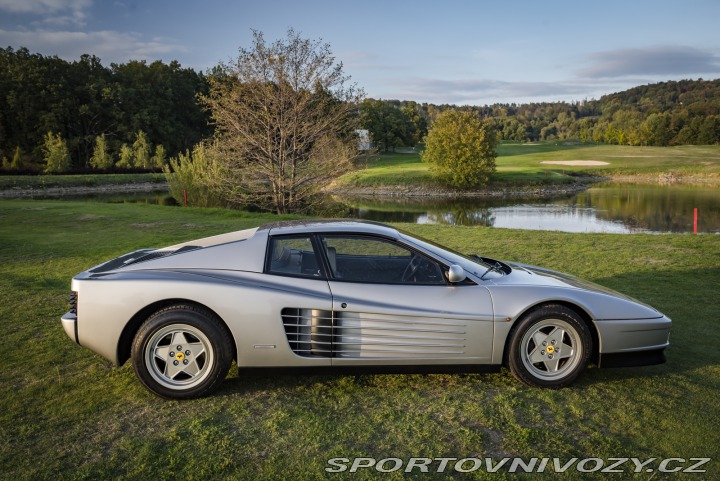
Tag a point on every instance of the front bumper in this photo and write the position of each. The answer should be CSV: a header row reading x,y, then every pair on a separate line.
x,y
633,342
69,323
633,358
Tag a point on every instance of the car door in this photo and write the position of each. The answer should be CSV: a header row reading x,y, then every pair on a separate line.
x,y
393,305
296,294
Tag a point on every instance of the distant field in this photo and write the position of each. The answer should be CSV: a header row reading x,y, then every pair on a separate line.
x,y
521,164
65,413
517,165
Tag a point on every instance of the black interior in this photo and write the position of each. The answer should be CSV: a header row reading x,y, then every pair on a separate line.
x,y
413,268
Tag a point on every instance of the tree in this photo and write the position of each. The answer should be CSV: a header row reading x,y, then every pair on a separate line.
x,y
418,122
17,161
101,158
388,125
141,150
461,149
159,159
657,127
276,109
55,154
127,157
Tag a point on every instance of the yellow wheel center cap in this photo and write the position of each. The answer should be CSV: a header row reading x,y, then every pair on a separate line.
x,y
179,356
550,349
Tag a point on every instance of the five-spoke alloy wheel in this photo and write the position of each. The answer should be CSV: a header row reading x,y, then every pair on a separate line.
x,y
549,347
181,352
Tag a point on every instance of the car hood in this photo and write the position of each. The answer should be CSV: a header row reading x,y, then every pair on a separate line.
x,y
523,274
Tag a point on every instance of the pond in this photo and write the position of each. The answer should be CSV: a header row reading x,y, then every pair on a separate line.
x,y
609,207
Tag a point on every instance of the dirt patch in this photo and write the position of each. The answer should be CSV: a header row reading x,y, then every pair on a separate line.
x,y
88,217
574,162
147,225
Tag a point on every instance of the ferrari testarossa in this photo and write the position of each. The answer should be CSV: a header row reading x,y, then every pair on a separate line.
x,y
348,295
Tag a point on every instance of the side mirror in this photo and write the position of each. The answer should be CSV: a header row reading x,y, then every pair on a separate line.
x,y
456,274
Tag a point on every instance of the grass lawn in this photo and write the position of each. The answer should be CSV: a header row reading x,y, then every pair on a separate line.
x,y
520,164
65,413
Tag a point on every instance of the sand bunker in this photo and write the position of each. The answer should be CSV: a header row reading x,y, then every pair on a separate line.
x,y
575,162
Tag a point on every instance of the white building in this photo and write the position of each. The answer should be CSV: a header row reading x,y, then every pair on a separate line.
x,y
363,139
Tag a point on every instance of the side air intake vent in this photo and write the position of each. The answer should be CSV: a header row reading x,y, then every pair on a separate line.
x,y
343,334
309,331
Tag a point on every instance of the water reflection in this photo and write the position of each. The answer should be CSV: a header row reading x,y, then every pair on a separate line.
x,y
612,207
618,208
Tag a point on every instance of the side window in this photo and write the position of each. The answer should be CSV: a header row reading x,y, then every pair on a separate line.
x,y
292,256
376,260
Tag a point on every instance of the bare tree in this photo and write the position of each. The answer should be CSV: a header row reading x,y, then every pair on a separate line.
x,y
284,116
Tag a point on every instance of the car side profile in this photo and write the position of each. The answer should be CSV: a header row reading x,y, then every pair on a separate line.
x,y
348,295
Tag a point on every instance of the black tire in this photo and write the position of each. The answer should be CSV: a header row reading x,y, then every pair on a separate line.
x,y
197,368
549,347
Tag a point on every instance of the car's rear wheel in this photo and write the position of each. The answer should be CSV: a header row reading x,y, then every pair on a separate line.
x,y
182,352
549,347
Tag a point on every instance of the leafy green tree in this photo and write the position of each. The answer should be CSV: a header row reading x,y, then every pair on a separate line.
x,y
388,125
658,128
101,158
276,108
141,150
83,99
127,157
709,132
461,149
160,158
55,154
417,122
17,160
5,163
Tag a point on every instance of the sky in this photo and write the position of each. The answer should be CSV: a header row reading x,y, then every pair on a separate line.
x,y
459,52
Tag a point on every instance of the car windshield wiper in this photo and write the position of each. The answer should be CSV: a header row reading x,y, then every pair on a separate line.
x,y
497,267
493,265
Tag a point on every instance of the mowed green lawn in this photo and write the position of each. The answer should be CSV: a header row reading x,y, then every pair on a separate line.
x,y
521,164
65,413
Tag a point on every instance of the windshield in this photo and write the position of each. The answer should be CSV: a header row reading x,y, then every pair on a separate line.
x,y
471,264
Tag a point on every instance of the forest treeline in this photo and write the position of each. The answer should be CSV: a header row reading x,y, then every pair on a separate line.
x,y
79,101
135,115
666,113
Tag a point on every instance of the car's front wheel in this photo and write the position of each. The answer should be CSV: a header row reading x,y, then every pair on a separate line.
x,y
549,347
182,352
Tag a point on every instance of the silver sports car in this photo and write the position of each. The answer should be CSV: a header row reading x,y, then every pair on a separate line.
x,y
348,295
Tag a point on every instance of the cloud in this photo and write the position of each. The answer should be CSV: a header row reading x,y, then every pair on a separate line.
x,y
651,61
43,6
357,60
485,91
52,12
109,45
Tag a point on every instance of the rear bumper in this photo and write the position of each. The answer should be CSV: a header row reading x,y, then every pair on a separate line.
x,y
69,323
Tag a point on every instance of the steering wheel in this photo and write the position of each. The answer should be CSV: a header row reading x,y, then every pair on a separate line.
x,y
411,268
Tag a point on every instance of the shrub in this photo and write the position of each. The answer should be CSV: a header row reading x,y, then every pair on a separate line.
x,y
461,149
191,175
